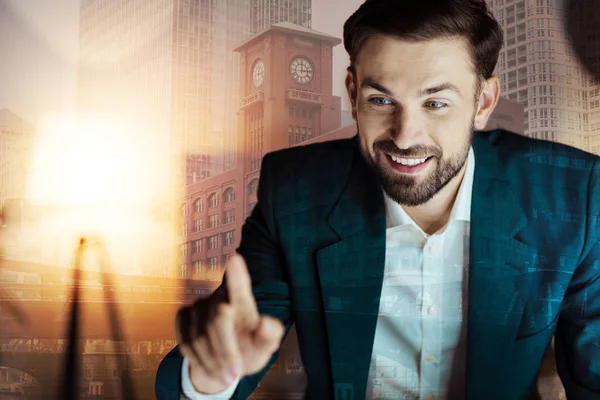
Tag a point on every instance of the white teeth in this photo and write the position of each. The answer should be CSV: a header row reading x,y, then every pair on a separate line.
x,y
409,161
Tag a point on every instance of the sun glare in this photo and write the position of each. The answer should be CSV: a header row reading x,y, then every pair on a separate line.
x,y
96,175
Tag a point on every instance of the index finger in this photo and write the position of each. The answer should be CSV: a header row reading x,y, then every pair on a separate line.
x,y
239,286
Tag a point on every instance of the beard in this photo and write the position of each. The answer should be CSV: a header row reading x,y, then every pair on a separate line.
x,y
410,190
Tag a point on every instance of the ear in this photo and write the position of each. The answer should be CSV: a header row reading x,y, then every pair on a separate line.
x,y
351,89
488,98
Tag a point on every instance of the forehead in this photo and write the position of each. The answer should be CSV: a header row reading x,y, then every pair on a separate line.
x,y
393,61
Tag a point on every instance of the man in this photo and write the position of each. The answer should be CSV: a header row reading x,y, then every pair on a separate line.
x,y
422,259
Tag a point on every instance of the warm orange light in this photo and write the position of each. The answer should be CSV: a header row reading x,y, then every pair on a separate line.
x,y
95,174
94,160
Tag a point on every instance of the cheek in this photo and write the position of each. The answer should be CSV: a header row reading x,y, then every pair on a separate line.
x,y
452,143
374,119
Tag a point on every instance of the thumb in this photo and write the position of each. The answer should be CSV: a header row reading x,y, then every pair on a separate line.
x,y
268,334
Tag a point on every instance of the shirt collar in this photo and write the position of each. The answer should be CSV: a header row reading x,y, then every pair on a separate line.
x,y
461,210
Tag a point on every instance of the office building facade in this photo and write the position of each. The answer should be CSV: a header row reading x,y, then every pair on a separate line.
x,y
16,146
168,67
286,86
538,68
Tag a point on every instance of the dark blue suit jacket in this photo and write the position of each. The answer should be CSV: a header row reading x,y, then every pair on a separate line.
x,y
317,234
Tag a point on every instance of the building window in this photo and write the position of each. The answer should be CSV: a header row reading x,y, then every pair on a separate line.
x,y
183,270
253,186
198,267
184,229
197,246
213,242
198,225
183,210
199,205
213,200
224,259
213,262
213,221
228,238
229,195
290,135
229,216
309,133
183,249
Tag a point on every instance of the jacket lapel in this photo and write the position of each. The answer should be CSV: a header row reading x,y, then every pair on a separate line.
x,y
351,277
351,273
498,279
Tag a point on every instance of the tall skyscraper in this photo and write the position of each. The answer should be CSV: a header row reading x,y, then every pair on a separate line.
x,y
265,13
16,141
537,68
169,66
286,86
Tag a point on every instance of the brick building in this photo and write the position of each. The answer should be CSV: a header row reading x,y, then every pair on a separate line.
x,y
286,92
286,87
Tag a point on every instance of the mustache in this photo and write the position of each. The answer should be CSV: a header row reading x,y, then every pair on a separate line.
x,y
420,151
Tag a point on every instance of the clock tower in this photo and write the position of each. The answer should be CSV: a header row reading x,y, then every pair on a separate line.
x,y
286,91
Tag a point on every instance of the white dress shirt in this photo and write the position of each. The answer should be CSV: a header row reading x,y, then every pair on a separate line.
x,y
419,351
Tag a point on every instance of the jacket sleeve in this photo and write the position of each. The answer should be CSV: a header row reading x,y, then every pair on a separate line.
x,y
578,332
261,250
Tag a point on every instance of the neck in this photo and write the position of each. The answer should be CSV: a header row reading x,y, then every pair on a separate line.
x,y
433,216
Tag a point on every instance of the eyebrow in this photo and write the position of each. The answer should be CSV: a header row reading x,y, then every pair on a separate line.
x,y
372,83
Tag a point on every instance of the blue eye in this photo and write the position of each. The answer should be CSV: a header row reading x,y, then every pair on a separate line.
x,y
380,101
439,103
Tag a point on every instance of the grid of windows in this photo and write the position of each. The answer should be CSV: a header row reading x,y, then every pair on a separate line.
x,y
538,69
229,216
264,13
213,242
255,133
228,238
304,121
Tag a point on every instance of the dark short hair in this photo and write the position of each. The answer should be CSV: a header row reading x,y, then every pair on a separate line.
x,y
422,20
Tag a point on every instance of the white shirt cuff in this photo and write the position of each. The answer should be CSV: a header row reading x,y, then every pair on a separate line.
x,y
191,393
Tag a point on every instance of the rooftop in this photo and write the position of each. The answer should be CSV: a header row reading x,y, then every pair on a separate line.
x,y
10,120
295,29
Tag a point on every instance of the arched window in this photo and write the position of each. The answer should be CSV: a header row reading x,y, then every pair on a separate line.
x,y
229,195
253,186
213,200
183,210
198,205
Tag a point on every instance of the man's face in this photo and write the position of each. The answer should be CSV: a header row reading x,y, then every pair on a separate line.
x,y
415,108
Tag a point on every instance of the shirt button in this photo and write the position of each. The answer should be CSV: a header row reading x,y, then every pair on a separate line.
x,y
431,249
432,310
429,358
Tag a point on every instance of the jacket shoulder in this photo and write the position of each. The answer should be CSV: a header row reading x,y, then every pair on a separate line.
x,y
317,159
518,146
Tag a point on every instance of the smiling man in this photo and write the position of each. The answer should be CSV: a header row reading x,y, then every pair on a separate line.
x,y
416,120
421,259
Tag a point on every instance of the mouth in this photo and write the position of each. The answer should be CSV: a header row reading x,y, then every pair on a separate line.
x,y
408,165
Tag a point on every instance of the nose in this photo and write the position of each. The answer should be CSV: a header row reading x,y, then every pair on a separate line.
x,y
407,129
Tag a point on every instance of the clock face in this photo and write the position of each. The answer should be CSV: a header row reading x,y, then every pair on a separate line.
x,y
301,70
258,73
